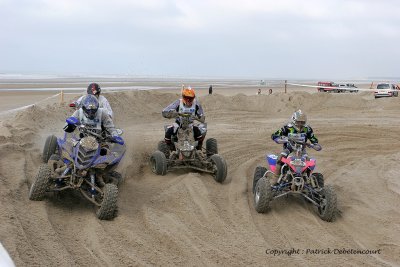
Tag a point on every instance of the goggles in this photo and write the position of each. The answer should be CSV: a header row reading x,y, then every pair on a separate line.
x,y
188,98
90,113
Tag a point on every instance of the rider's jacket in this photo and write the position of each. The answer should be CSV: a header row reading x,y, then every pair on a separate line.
x,y
103,103
196,109
102,121
93,124
183,109
289,128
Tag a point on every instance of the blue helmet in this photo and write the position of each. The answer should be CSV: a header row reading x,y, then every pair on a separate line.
x,y
90,105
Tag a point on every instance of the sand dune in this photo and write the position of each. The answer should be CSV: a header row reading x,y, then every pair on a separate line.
x,y
186,218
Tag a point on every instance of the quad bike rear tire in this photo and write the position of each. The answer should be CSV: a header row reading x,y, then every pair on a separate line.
x,y
329,203
50,147
42,180
319,178
262,195
158,163
211,147
221,168
258,174
108,208
164,148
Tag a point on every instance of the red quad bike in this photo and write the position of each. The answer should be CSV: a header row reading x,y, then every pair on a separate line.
x,y
296,177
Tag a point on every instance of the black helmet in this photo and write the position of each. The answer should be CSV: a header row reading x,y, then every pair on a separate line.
x,y
90,105
93,89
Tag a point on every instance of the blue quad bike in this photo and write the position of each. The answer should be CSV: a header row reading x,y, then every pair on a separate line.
x,y
85,162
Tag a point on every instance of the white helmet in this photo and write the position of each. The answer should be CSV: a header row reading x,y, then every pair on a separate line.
x,y
299,120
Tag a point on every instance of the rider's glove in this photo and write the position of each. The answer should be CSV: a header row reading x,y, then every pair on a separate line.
x,y
316,146
69,128
114,134
116,138
202,119
172,113
71,124
280,140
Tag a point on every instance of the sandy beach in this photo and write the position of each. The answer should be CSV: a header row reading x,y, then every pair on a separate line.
x,y
186,218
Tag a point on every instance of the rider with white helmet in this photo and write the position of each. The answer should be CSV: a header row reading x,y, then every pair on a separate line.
x,y
297,124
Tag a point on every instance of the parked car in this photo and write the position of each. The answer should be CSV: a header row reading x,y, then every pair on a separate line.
x,y
346,88
327,84
386,90
351,85
342,88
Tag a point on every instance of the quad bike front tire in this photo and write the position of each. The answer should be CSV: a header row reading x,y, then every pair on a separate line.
x,y
164,148
221,168
50,147
258,174
211,147
158,163
262,195
328,204
108,208
40,185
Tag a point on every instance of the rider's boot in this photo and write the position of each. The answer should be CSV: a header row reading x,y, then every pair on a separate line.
x,y
170,144
172,147
199,145
200,140
275,175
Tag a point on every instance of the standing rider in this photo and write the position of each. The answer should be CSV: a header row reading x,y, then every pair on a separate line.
x,y
187,104
296,125
94,89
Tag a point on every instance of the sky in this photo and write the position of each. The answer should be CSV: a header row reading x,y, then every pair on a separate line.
x,y
285,39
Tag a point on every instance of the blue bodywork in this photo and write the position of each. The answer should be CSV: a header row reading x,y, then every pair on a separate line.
x,y
71,145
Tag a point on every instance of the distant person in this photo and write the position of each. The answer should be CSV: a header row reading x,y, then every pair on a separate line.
x,y
94,89
210,90
259,92
270,91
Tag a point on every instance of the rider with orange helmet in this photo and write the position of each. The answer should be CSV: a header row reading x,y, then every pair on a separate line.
x,y
187,104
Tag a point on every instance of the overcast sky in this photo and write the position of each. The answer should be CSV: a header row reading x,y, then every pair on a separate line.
x,y
208,38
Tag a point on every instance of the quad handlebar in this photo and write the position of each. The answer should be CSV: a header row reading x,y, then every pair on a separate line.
x,y
103,136
297,139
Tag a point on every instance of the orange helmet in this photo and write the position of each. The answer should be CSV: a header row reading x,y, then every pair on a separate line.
x,y
187,96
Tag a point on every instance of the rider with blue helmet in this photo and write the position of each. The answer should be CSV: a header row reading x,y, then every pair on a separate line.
x,y
94,89
92,116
